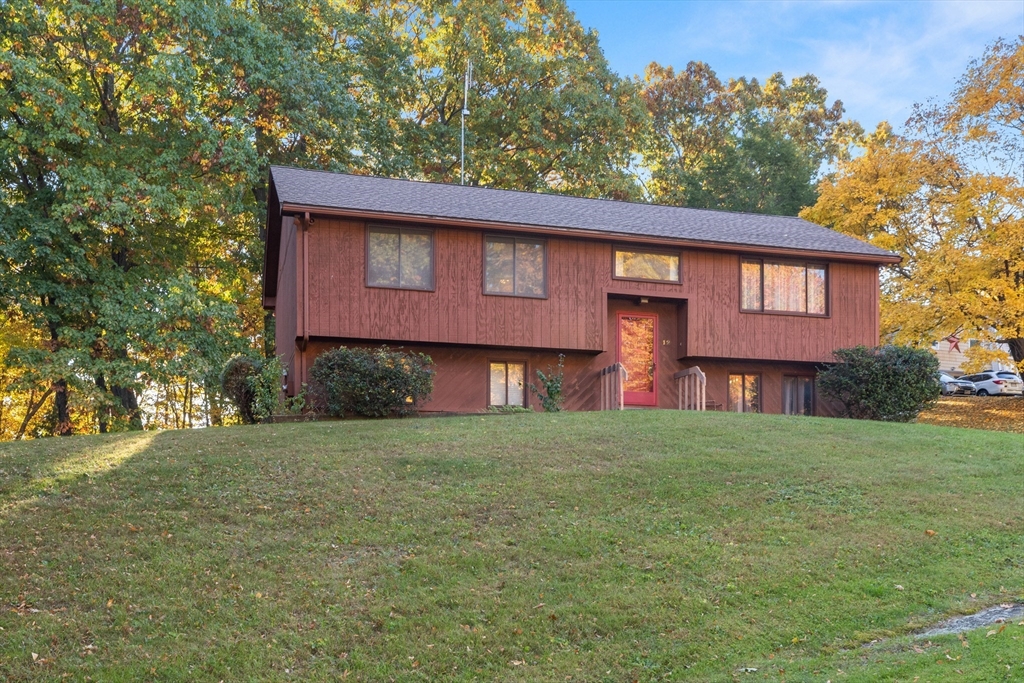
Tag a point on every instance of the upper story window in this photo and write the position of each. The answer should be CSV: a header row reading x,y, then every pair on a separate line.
x,y
783,287
515,266
646,265
400,257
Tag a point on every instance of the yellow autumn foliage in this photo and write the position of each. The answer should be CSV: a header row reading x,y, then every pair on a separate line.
x,y
947,196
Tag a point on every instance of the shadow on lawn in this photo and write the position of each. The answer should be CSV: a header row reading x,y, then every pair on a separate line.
x,y
50,470
121,552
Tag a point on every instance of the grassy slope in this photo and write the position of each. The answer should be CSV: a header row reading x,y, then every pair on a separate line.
x,y
617,546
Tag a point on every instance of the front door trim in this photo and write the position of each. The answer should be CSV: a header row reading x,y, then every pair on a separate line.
x,y
639,398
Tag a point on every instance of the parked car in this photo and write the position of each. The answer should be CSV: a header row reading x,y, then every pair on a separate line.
x,y
954,385
993,383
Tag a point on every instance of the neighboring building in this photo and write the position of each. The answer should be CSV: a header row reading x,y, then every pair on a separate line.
x,y
494,284
951,356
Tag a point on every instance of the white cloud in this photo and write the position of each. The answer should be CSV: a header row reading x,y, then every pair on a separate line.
x,y
891,63
879,58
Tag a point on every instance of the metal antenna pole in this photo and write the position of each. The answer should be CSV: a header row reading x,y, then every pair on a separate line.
x,y
465,113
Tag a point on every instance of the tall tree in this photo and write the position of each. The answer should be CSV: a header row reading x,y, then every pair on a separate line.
x,y
545,111
739,145
133,144
947,195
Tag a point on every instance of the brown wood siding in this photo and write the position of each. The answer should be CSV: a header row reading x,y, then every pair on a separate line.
x,y
286,304
461,375
771,382
575,316
718,329
460,380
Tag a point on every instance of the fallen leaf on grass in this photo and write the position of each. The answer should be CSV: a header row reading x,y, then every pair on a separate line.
x,y
35,656
929,532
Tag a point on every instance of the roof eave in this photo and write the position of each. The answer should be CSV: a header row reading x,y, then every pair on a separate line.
x,y
271,245
880,259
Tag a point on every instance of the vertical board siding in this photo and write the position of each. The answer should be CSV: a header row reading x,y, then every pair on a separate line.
x,y
461,373
285,322
718,329
574,316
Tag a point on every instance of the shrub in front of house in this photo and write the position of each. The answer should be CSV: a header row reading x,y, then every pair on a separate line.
x,y
553,383
377,382
888,383
253,385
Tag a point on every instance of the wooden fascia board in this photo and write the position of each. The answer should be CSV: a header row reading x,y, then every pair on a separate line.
x,y
592,234
271,246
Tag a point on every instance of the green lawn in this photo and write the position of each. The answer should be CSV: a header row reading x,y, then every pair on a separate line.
x,y
639,545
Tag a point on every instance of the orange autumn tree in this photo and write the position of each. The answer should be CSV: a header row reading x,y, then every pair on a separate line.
x,y
946,195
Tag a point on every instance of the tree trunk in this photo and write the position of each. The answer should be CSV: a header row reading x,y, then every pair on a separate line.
x,y
269,331
62,426
126,397
130,404
30,411
214,411
103,412
1016,349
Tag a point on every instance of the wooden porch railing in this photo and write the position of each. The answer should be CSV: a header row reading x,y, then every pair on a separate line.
x,y
612,379
691,384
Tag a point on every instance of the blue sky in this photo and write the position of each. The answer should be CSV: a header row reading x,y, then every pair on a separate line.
x,y
879,58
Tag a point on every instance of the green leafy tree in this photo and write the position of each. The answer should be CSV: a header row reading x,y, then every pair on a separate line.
x,y
134,141
741,145
546,112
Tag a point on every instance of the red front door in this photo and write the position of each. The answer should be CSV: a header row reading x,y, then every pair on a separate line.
x,y
637,345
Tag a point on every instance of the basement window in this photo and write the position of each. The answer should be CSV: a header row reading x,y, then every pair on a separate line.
x,y
797,395
745,393
507,384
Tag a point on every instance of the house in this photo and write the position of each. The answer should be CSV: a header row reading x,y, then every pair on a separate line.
x,y
652,306
950,352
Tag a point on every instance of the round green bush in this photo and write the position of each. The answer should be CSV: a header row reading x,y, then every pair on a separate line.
x,y
236,384
253,385
888,383
377,382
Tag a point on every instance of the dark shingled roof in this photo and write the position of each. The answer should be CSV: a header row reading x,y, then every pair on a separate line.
x,y
418,199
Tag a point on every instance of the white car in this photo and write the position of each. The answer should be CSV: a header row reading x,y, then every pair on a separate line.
x,y
993,383
952,385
